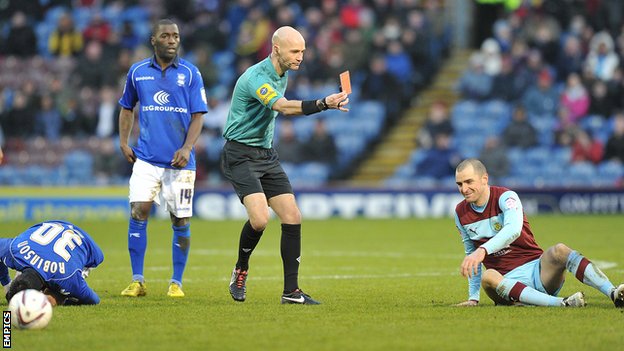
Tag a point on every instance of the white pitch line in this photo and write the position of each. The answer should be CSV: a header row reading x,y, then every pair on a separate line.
x,y
316,277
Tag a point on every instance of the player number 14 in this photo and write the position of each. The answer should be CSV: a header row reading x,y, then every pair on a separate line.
x,y
186,195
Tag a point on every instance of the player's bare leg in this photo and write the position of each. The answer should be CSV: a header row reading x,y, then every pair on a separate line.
x,y
490,279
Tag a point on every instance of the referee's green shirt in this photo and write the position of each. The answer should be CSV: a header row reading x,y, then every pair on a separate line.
x,y
251,120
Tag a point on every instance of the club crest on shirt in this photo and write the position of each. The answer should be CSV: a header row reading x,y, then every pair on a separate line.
x,y
496,225
266,93
181,79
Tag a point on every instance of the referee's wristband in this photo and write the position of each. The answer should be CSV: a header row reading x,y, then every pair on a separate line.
x,y
313,106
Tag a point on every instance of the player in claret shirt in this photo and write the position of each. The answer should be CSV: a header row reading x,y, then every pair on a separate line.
x,y
54,257
496,232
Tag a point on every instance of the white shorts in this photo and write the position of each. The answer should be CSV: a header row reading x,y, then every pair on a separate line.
x,y
150,183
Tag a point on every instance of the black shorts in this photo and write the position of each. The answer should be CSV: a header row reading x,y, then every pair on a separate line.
x,y
253,170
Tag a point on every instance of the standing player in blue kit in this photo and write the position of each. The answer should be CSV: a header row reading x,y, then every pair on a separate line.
x,y
172,102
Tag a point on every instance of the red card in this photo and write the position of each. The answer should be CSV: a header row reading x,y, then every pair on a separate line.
x,y
345,82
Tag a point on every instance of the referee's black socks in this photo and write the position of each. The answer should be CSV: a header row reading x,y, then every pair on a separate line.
x,y
291,254
248,240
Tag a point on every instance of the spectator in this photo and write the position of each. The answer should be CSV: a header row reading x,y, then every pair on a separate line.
x,y
128,38
98,29
520,132
399,64
575,98
320,147
615,144
20,118
438,122
380,85
21,40
585,148
602,59
600,102
506,86
253,36
48,120
542,99
288,147
65,40
107,113
474,83
571,58
492,60
218,107
494,156
107,161
439,161
85,75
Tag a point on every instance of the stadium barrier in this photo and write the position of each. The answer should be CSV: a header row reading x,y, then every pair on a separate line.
x,y
317,204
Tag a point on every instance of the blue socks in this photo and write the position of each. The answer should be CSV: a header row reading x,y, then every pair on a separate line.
x,y
587,273
137,243
179,251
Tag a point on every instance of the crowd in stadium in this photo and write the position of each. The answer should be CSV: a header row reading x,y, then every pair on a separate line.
x,y
557,69
63,64
542,101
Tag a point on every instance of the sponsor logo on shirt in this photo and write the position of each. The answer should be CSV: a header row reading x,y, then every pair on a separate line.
x,y
162,98
266,93
144,78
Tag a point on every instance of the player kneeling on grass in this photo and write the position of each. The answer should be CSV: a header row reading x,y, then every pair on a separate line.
x,y
54,257
496,232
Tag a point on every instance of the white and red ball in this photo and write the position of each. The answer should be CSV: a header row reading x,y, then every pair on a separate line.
x,y
30,309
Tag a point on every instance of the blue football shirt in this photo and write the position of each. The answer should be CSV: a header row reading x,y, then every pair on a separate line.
x,y
167,99
58,251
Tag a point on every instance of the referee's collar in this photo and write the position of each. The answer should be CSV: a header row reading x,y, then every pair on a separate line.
x,y
175,62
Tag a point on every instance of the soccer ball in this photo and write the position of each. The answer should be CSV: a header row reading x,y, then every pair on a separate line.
x,y
30,309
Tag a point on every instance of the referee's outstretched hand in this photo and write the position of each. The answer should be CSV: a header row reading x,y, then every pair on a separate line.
x,y
338,101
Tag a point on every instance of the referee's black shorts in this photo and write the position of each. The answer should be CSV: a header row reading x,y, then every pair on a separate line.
x,y
253,170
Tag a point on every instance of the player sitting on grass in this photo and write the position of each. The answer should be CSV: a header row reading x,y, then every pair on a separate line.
x,y
496,232
54,257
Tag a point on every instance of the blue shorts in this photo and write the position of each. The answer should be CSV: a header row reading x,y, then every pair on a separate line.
x,y
529,275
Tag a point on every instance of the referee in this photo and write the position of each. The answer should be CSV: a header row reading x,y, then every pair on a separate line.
x,y
251,164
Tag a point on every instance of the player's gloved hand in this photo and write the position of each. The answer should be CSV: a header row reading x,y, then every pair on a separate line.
x,y
85,272
469,303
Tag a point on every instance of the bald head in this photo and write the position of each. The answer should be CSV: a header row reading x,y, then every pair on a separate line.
x,y
286,34
288,48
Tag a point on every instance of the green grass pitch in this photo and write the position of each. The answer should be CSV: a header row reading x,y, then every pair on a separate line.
x,y
384,284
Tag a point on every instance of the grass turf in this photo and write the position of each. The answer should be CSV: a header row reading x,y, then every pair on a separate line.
x,y
384,284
